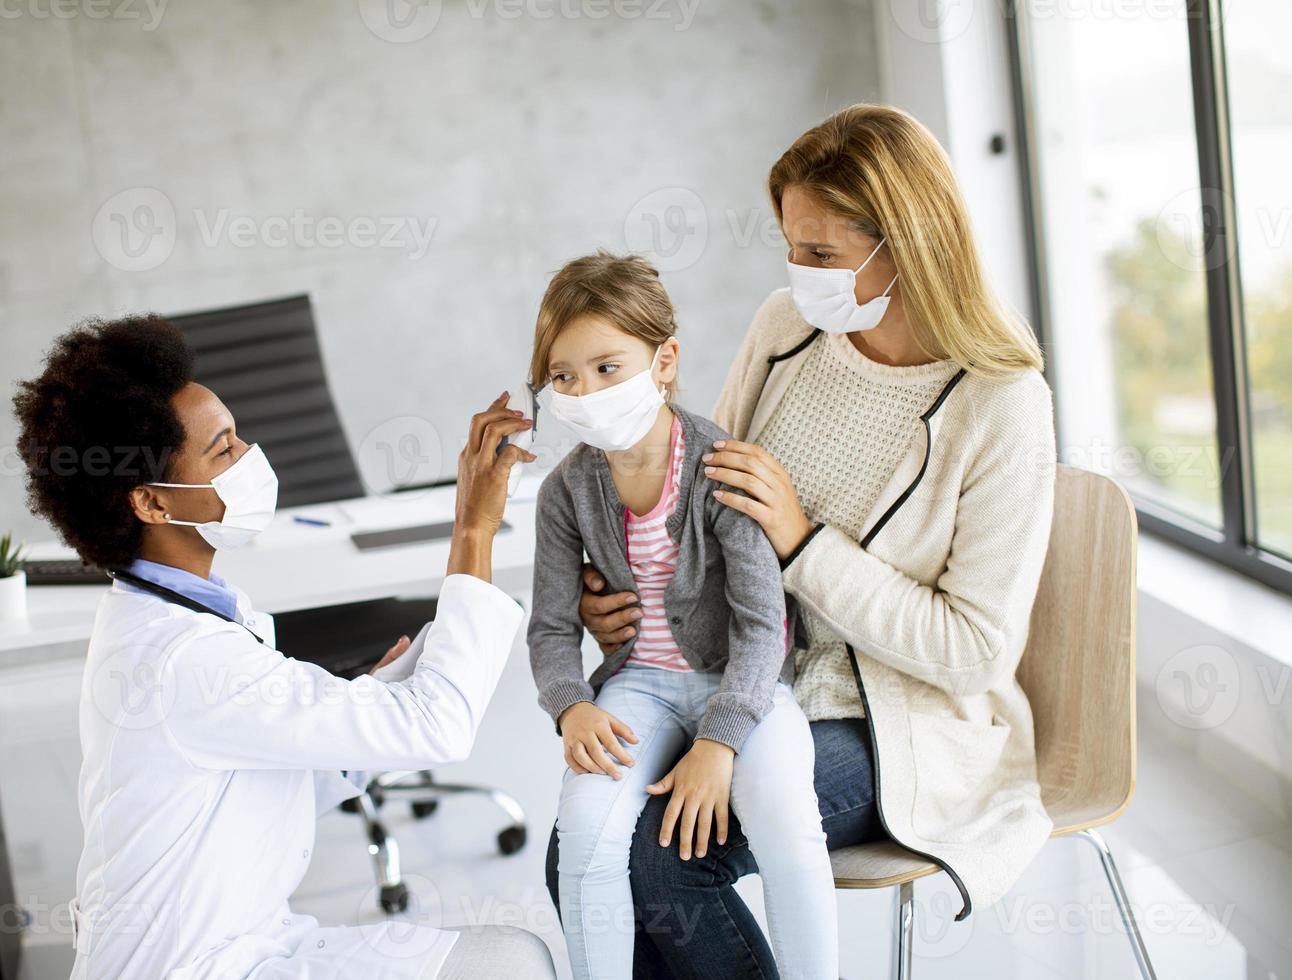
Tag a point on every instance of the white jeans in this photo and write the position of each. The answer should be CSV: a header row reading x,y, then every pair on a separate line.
x,y
772,794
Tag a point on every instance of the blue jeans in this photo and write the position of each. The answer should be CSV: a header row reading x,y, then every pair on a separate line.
x,y
689,920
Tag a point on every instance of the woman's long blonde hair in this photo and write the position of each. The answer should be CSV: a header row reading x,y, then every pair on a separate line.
x,y
883,171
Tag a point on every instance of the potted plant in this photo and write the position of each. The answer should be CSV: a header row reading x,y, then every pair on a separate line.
x,y
13,580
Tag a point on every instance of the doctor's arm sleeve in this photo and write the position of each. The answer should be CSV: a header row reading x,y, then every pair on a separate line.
x,y
755,630
964,632
555,632
234,704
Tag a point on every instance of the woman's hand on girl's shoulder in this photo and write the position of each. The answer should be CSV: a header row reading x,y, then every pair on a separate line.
x,y
772,502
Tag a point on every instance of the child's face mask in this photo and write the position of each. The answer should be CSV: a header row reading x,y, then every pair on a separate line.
x,y
613,418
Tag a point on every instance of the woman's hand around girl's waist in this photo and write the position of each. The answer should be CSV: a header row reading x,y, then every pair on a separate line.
x,y
608,618
701,788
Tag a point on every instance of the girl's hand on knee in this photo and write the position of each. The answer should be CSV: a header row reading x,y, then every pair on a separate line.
x,y
701,788
588,734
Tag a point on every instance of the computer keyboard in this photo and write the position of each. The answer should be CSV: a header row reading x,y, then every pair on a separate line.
x,y
63,571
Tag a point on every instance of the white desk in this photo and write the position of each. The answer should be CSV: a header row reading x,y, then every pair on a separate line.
x,y
300,566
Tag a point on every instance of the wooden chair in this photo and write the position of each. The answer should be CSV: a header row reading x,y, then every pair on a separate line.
x,y
1079,673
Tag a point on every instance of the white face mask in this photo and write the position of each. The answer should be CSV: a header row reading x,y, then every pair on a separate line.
x,y
827,298
249,489
613,418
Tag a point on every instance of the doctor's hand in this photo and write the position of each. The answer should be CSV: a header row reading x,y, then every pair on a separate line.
x,y
482,487
394,653
772,502
608,618
588,734
483,471
701,788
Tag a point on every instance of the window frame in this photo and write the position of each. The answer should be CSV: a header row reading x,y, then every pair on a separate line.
x,y
1234,546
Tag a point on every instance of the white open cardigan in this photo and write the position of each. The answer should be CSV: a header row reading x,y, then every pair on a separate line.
x,y
935,606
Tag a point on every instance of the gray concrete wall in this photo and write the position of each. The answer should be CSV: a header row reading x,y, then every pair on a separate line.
x,y
191,155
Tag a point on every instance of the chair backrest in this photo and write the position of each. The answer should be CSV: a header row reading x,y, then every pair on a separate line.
x,y
1079,666
263,361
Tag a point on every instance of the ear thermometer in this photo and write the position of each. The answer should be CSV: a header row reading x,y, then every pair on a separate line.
x,y
522,400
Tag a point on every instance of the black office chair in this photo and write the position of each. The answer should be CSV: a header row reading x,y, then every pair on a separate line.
x,y
263,361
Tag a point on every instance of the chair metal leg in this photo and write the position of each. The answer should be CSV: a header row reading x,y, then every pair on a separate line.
x,y
1123,903
904,926
384,851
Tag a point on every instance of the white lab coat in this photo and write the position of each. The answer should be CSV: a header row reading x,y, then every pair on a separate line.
x,y
206,759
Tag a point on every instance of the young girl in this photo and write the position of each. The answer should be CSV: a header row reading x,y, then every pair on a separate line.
x,y
705,677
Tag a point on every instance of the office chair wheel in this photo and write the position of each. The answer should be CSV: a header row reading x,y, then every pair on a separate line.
x,y
511,840
350,806
394,898
424,808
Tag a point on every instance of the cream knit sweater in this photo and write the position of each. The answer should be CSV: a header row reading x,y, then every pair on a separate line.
x,y
841,394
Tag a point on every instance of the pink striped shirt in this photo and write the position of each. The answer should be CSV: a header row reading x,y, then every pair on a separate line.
x,y
652,556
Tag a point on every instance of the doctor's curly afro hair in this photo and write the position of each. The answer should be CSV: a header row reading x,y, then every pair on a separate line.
x,y
97,423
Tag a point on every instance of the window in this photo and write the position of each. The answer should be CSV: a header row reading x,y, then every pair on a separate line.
x,y
1162,239
1257,35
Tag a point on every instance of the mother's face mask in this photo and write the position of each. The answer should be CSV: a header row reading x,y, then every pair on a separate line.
x,y
827,298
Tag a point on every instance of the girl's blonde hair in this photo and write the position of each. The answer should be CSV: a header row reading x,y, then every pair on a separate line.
x,y
624,289
880,169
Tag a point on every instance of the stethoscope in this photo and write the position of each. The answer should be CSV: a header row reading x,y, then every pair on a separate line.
x,y
170,595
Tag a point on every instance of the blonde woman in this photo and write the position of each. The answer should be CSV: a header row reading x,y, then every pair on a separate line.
x,y
894,435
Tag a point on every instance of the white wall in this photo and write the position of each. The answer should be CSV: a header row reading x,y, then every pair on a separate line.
x,y
524,138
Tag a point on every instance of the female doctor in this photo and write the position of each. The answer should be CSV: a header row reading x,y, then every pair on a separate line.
x,y
207,753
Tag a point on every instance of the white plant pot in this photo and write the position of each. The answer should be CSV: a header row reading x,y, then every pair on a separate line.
x,y
13,597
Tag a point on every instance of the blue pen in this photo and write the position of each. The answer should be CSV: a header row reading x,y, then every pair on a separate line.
x,y
312,521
